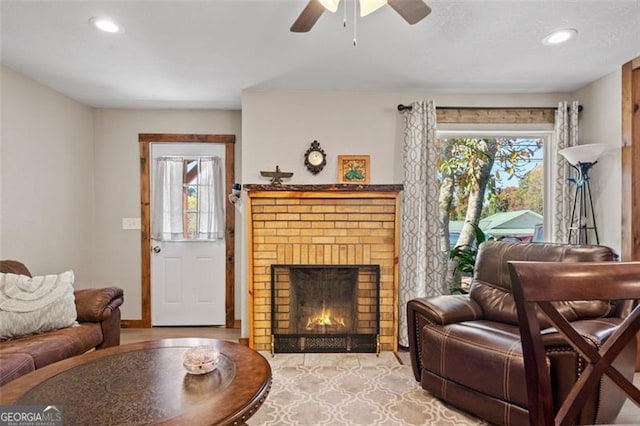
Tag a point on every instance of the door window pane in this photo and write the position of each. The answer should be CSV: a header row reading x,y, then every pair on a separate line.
x,y
188,198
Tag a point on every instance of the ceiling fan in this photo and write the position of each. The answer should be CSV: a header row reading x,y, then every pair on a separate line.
x,y
412,11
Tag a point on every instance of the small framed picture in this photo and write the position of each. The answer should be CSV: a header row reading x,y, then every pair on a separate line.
x,y
353,169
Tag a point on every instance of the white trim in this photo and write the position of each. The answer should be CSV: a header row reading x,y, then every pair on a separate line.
x,y
549,152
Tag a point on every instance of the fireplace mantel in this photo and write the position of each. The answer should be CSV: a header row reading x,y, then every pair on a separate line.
x,y
253,187
332,224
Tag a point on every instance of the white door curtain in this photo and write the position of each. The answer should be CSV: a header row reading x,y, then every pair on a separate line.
x,y
169,205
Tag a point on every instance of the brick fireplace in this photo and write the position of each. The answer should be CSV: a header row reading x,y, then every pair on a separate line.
x,y
325,308
314,226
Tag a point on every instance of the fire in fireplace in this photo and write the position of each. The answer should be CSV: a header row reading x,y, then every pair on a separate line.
x,y
324,321
325,308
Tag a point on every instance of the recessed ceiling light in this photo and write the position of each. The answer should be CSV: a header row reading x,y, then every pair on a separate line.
x,y
560,36
106,25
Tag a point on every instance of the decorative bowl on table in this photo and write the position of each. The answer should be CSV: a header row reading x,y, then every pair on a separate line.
x,y
200,360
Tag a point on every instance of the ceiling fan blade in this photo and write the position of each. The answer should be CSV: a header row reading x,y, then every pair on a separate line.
x,y
308,17
412,11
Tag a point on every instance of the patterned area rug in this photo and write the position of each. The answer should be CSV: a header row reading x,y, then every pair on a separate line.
x,y
350,389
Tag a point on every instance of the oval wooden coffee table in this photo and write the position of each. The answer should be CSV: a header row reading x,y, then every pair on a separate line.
x,y
145,383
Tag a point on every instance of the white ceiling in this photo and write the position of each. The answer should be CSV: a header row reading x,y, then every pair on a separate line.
x,y
202,54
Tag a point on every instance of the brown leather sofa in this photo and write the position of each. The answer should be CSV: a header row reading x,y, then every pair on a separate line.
x,y
466,350
99,327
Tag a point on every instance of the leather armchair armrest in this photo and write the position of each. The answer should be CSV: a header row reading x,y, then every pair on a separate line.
x,y
446,309
97,304
440,310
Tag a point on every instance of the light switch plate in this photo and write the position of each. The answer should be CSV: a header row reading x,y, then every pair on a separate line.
x,y
131,223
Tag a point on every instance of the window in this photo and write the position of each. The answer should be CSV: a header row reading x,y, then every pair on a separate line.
x,y
496,181
188,199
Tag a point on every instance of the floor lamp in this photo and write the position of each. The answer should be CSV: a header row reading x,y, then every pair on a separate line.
x,y
582,158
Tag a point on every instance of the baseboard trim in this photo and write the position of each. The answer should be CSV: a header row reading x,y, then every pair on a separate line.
x,y
132,324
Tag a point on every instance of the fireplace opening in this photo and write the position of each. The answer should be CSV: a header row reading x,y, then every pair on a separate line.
x,y
325,308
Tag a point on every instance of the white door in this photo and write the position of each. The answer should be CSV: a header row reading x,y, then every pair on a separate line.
x,y
187,276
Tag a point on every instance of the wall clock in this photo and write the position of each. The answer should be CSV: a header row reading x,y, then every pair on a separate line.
x,y
315,158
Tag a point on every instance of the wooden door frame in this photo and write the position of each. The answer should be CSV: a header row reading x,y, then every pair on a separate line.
x,y
630,162
630,165
145,140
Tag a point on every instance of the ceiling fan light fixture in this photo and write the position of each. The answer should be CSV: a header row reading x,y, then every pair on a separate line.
x,y
330,5
412,11
560,36
370,6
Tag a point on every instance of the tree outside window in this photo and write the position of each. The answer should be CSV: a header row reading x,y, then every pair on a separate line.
x,y
494,184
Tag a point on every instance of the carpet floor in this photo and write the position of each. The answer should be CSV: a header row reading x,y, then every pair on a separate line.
x,y
350,389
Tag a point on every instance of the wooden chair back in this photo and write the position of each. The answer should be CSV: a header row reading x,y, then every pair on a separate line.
x,y
536,285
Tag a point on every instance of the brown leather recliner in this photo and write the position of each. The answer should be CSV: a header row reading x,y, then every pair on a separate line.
x,y
466,349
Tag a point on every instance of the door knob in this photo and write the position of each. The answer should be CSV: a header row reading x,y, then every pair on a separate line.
x,y
157,249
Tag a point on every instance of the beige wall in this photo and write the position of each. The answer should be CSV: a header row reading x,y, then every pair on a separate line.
x,y
116,252
601,122
70,173
279,126
47,179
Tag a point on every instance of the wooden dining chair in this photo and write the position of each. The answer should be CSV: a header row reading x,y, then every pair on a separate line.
x,y
535,286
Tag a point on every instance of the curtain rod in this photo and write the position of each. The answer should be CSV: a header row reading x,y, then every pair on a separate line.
x,y
402,108
185,157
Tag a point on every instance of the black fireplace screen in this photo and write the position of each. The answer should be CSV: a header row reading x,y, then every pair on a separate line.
x,y
325,308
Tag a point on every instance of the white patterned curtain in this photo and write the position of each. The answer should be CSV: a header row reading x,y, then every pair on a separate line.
x,y
167,199
210,199
566,135
423,264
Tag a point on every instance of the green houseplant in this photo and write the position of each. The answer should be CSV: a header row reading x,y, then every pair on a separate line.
x,y
464,258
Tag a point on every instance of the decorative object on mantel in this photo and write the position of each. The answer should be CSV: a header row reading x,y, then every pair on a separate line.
x,y
234,196
353,169
582,158
315,158
276,177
